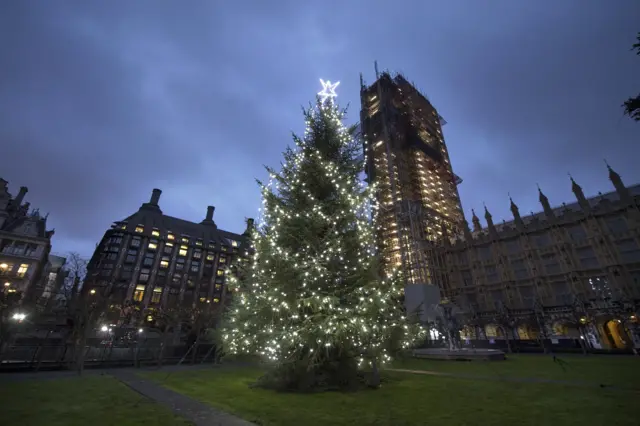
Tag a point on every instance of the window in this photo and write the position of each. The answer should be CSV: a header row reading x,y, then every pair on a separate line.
x,y
220,272
216,300
144,275
195,266
152,246
617,224
218,286
22,270
123,226
135,242
183,251
212,244
210,256
202,299
179,264
577,233
199,242
177,277
222,259
138,295
164,263
139,229
157,295
197,254
155,233
148,259
234,243
168,248
185,240
170,237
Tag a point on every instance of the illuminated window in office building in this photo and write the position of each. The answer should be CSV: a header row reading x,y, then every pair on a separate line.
x,y
183,251
220,272
155,233
22,270
157,295
139,229
170,236
138,295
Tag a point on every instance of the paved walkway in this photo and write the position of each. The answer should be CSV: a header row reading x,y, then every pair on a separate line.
x,y
199,413
512,379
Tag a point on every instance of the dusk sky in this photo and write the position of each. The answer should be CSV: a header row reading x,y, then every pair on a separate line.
x,y
102,101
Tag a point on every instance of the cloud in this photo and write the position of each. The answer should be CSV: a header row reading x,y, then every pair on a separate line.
x,y
101,102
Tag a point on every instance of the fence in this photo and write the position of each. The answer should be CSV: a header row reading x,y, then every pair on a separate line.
x,y
55,354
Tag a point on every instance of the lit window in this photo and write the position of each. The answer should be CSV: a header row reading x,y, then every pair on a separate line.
x,y
210,257
139,229
197,254
157,294
199,242
222,259
164,263
234,244
216,300
202,299
183,251
138,295
153,246
220,272
149,318
168,245
23,269
155,233
170,237
123,226
185,240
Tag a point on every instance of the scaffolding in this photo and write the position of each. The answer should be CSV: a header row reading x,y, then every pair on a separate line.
x,y
417,190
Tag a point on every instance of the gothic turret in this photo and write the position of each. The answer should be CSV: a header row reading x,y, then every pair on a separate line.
x,y
489,219
548,211
466,230
615,178
476,222
516,212
577,190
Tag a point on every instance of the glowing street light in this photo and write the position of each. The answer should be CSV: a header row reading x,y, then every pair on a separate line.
x,y
19,317
4,266
93,291
104,328
140,330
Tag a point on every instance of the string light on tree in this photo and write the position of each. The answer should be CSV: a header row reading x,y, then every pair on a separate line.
x,y
328,90
311,294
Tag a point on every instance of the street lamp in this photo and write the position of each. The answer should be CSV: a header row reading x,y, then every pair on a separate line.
x,y
19,316
7,284
104,328
93,291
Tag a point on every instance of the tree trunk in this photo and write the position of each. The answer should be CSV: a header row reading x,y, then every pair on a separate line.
x,y
374,382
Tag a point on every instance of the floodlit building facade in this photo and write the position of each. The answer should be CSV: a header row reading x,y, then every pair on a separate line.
x,y
569,273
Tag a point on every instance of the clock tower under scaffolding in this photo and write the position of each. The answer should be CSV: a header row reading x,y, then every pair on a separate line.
x,y
418,196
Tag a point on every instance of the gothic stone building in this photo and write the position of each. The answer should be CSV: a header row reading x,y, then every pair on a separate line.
x,y
25,244
150,260
571,272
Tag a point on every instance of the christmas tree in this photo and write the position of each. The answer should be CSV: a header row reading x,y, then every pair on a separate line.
x,y
312,298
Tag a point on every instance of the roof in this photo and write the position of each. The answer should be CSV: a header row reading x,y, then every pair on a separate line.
x,y
151,217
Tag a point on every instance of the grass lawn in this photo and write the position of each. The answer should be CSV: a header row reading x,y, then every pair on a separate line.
x,y
621,371
86,401
409,399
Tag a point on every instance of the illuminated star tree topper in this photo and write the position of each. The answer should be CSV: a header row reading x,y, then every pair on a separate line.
x,y
328,90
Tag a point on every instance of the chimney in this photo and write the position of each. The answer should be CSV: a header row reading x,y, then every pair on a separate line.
x,y
20,196
210,210
155,197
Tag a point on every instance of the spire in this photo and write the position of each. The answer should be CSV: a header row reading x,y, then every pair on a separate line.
x,y
489,219
577,190
515,211
548,211
615,178
476,222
